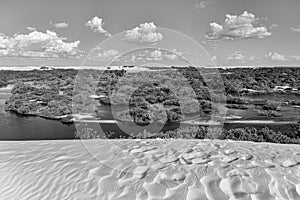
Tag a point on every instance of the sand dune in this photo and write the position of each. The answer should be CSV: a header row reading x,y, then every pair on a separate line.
x,y
149,170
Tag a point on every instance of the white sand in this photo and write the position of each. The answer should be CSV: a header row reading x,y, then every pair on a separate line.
x,y
148,170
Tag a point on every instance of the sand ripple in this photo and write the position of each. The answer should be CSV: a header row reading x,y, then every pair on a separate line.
x,y
149,170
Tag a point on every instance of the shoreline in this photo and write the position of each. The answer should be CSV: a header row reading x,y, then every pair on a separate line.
x,y
86,118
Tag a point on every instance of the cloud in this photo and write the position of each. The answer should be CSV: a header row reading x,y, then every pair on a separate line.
x,y
145,33
201,4
273,26
213,58
3,52
295,57
38,44
237,27
133,58
156,55
96,25
237,55
295,29
212,44
253,57
159,55
171,56
143,55
276,56
110,54
279,57
30,28
60,24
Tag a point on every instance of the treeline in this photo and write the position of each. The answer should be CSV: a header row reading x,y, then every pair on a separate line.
x,y
10,76
266,79
200,132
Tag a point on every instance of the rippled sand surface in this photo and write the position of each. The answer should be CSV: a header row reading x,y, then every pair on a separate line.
x,y
148,170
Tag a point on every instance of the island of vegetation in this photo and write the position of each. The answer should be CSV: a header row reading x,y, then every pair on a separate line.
x,y
49,93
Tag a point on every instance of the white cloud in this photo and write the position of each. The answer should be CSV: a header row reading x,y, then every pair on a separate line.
x,y
237,27
279,57
237,55
133,58
201,4
38,44
145,33
159,55
212,44
273,26
143,56
295,29
96,25
3,52
276,56
295,57
213,58
252,57
171,56
110,54
60,24
30,28
156,55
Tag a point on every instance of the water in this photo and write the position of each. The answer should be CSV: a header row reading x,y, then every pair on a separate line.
x,y
17,127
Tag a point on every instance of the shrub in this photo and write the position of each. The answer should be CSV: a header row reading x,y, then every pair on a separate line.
x,y
236,106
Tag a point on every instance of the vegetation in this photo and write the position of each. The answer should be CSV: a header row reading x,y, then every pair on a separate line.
x,y
195,132
167,96
48,93
269,113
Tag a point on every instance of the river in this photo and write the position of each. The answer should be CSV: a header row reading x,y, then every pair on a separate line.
x,y
17,127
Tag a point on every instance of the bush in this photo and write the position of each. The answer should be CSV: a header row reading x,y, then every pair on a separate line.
x,y
270,106
269,113
236,106
196,132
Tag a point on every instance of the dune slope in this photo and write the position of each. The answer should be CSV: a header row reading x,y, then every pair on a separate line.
x,y
148,170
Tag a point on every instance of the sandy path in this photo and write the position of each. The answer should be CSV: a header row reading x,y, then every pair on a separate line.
x,y
148,170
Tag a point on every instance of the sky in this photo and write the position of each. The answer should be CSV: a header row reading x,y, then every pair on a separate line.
x,y
137,32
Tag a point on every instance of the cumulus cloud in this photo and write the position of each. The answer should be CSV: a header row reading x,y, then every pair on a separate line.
x,y
110,54
3,52
237,55
213,58
60,24
38,44
253,57
201,4
276,56
273,26
133,58
156,55
280,57
96,25
144,33
30,28
295,57
212,44
171,56
143,55
237,27
159,55
295,29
